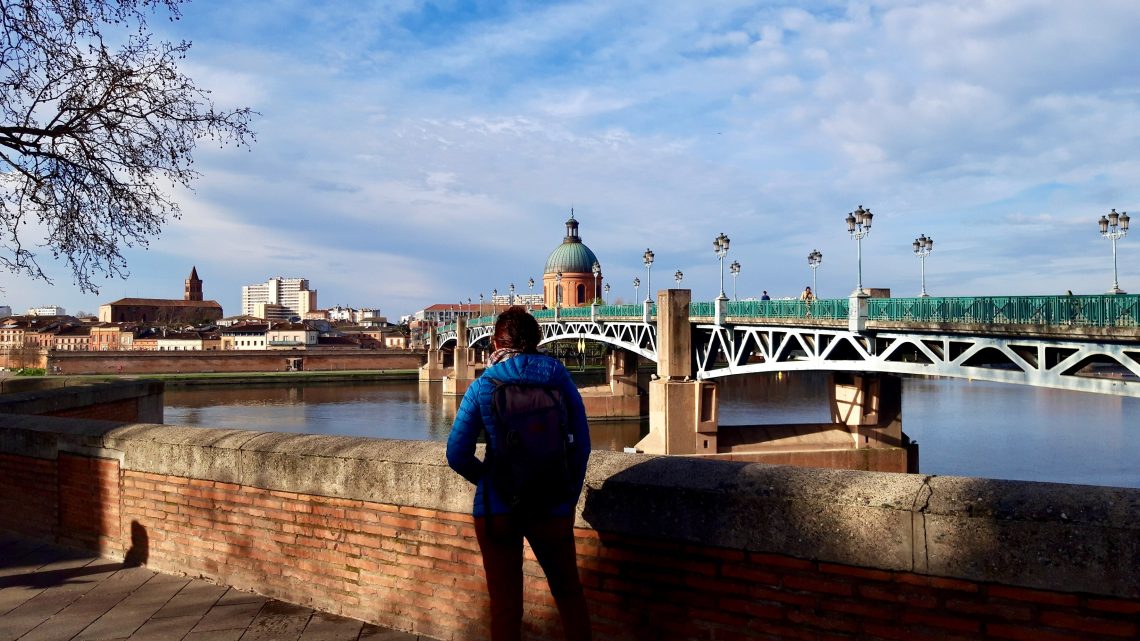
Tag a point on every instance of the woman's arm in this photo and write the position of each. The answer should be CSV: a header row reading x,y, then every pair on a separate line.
x,y
464,433
579,428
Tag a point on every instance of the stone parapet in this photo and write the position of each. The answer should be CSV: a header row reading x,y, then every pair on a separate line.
x,y
379,529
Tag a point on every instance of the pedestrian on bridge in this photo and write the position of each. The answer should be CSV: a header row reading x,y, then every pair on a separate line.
x,y
500,522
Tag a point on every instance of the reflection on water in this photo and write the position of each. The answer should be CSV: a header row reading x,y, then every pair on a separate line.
x,y
964,428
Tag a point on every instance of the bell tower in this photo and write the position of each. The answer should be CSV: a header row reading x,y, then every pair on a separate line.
x,y
193,289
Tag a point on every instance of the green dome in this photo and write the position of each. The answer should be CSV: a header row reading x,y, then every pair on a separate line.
x,y
569,258
572,256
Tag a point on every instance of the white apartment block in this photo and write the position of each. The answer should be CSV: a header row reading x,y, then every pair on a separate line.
x,y
278,298
46,310
340,313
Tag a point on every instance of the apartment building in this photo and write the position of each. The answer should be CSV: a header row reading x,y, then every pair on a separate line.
x,y
278,298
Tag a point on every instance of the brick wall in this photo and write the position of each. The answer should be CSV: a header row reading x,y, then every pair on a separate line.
x,y
380,530
75,363
28,491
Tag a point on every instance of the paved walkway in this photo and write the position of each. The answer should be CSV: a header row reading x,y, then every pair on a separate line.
x,y
51,594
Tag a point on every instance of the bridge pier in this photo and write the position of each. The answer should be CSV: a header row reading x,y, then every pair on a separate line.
x,y
619,397
433,370
870,407
456,383
682,411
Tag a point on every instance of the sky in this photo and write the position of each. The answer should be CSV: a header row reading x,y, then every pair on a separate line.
x,y
411,152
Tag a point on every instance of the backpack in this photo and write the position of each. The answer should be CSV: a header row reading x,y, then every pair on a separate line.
x,y
530,460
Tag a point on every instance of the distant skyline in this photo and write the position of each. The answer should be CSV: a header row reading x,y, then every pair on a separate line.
x,y
412,153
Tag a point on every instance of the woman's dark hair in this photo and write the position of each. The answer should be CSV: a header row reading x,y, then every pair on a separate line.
x,y
517,329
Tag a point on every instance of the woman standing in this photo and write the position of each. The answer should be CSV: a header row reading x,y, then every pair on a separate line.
x,y
499,528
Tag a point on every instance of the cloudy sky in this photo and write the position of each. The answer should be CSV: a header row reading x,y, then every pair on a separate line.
x,y
417,152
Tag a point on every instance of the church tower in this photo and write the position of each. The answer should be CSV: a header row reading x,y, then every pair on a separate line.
x,y
193,286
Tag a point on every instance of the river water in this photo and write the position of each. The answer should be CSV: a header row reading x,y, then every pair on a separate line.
x,y
964,428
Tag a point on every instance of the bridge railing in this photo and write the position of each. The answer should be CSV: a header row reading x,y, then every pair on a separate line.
x,y
822,308
1109,310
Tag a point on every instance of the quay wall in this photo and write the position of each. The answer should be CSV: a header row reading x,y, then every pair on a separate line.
x,y
668,547
138,362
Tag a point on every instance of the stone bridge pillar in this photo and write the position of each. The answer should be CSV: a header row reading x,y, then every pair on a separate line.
x,y
464,371
433,369
870,405
621,372
682,411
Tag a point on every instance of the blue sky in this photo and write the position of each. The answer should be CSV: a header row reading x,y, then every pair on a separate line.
x,y
418,152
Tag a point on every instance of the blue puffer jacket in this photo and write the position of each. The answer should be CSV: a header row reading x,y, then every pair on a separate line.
x,y
475,415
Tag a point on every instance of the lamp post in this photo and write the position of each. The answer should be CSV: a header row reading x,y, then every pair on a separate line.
x,y
678,276
720,247
636,286
922,247
530,285
494,303
647,258
814,260
734,269
511,289
859,225
596,269
1112,227
558,290
607,288
480,303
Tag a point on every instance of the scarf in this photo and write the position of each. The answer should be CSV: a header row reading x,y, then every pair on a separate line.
x,y
502,354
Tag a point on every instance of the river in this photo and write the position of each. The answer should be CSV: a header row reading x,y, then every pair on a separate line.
x,y
964,428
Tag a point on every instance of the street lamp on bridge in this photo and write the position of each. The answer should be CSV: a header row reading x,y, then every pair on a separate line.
x,y
647,258
815,258
495,303
636,286
734,269
480,303
558,290
720,247
678,276
595,269
859,225
530,285
607,288
1112,227
922,247
511,298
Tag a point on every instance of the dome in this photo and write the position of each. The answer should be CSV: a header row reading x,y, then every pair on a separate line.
x,y
572,256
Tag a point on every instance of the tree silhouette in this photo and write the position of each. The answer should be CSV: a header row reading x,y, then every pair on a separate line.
x,y
96,123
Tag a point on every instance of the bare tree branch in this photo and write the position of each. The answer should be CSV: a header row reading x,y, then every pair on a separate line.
x,y
90,133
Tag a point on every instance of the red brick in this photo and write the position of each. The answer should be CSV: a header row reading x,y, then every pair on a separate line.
x,y
859,608
1036,596
939,621
750,574
1027,633
810,584
1089,624
897,596
853,571
1115,605
781,561
999,611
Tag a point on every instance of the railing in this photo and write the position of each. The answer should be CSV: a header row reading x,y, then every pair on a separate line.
x,y
820,309
1110,310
